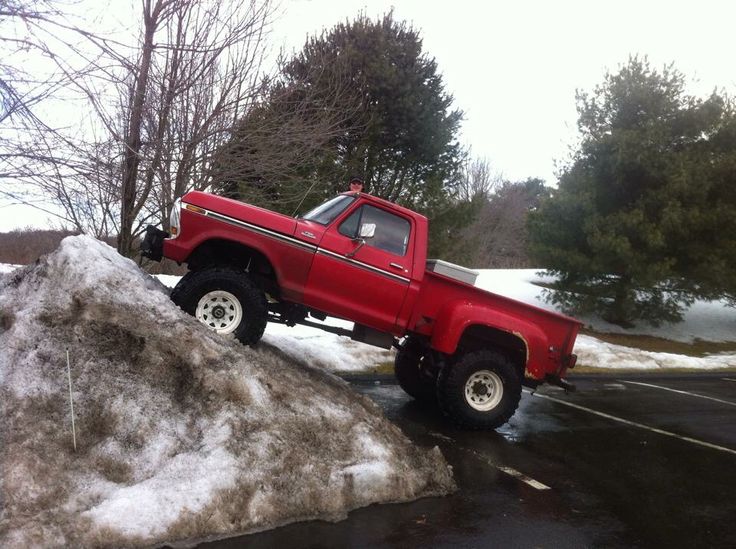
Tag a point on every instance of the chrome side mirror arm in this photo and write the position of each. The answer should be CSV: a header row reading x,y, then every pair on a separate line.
x,y
361,243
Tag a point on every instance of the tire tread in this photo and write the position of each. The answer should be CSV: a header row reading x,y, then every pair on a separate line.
x,y
255,307
451,386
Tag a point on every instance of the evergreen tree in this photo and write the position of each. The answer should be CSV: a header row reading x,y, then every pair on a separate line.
x,y
398,130
644,219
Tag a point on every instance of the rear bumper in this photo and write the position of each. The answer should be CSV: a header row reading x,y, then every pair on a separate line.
x,y
152,246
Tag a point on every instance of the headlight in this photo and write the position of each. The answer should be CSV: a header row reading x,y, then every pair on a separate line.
x,y
175,219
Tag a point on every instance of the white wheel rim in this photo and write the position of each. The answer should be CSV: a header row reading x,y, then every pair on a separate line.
x,y
219,311
483,390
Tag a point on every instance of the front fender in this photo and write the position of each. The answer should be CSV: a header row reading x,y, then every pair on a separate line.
x,y
289,258
457,316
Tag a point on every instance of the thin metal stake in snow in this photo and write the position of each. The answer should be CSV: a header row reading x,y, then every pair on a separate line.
x,y
71,400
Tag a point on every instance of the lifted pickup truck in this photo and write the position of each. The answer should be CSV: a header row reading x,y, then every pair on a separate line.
x,y
364,259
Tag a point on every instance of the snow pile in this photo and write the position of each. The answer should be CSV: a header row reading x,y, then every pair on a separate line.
x,y
181,434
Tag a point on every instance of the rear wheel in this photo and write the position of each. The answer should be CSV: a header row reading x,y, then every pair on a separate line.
x,y
413,372
224,300
481,390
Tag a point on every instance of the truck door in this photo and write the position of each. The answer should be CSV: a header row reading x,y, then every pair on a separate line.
x,y
364,280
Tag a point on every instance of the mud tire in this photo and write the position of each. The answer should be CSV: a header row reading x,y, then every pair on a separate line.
x,y
196,284
463,390
411,373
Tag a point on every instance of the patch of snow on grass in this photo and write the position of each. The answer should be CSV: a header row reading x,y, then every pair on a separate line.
x,y
325,350
8,267
704,320
168,280
600,354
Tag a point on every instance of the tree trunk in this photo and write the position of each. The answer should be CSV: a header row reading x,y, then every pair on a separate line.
x,y
133,137
622,310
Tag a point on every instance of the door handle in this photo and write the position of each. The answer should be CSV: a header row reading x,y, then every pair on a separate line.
x,y
396,266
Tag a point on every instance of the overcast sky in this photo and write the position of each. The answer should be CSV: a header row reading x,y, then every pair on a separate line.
x,y
513,67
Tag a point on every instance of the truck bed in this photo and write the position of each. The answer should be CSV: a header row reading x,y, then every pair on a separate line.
x,y
552,331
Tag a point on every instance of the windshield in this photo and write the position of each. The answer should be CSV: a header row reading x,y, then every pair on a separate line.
x,y
325,213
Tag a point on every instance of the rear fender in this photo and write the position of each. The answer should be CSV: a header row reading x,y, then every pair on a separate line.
x,y
457,316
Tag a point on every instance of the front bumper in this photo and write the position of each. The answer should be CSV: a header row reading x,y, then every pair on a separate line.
x,y
152,246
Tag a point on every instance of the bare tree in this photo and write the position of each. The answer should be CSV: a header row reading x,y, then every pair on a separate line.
x,y
27,143
181,100
478,180
500,230
20,90
270,159
206,79
156,110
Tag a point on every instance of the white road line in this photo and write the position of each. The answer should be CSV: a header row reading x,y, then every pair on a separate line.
x,y
507,470
679,391
635,424
523,478
727,379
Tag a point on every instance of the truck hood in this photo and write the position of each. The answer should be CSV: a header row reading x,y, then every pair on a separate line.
x,y
242,212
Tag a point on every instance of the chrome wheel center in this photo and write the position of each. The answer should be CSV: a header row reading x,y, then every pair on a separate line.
x,y
220,311
483,390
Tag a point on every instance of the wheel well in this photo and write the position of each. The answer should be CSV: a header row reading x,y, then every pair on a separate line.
x,y
219,252
479,337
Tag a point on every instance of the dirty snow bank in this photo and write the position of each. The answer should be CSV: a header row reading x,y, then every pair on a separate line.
x,y
181,434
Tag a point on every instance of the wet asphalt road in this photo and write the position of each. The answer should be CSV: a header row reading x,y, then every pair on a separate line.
x,y
627,461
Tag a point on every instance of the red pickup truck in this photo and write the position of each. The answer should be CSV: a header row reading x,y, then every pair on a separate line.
x,y
364,259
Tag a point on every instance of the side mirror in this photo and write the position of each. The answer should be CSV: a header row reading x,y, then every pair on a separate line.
x,y
367,230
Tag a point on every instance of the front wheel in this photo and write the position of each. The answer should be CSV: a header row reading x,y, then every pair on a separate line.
x,y
224,300
481,390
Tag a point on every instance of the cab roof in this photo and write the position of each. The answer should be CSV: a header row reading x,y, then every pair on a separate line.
x,y
384,203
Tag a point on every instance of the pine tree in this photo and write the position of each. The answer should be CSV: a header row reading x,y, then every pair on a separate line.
x,y
644,219
398,130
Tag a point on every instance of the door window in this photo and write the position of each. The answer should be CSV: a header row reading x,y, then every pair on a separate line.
x,y
392,231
